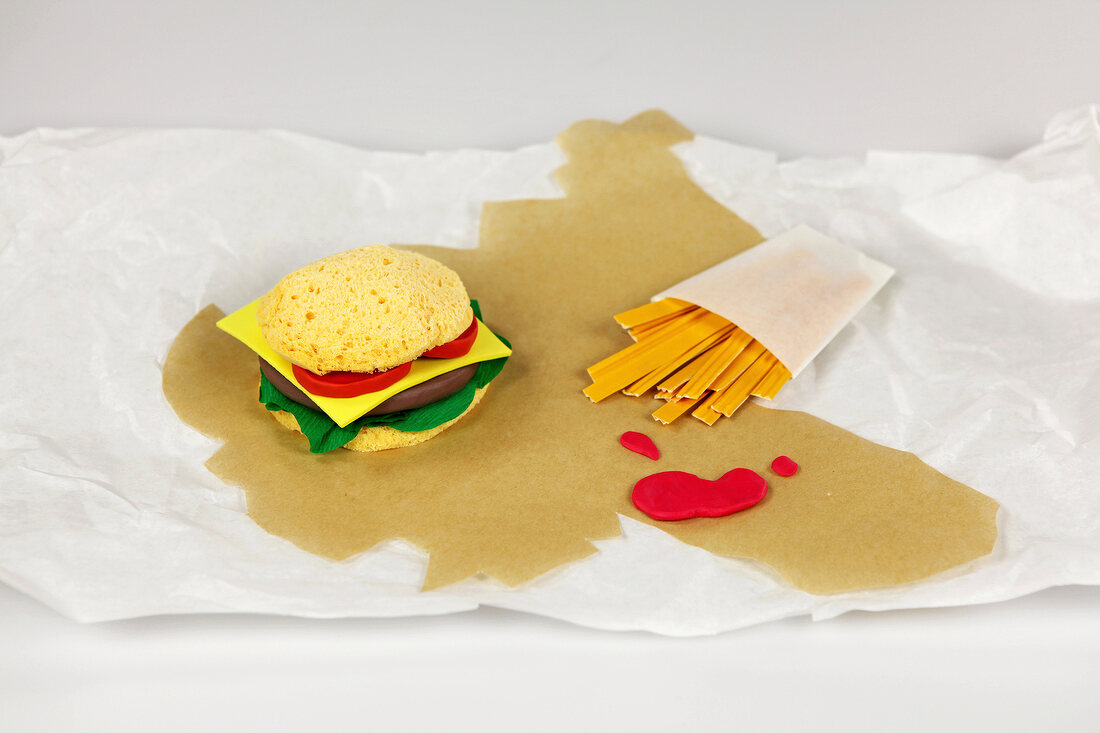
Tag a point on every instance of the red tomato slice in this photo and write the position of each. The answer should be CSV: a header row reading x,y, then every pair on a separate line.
x,y
349,384
456,348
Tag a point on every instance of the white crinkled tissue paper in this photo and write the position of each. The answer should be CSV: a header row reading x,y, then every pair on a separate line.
x,y
982,357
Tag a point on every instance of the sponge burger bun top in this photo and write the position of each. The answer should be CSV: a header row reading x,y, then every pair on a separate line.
x,y
365,310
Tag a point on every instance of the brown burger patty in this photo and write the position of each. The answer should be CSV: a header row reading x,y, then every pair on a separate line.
x,y
419,395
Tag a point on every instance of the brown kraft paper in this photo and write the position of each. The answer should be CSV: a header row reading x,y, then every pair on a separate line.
x,y
521,484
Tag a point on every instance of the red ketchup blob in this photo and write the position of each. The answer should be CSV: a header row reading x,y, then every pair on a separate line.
x,y
784,466
349,384
672,495
457,347
639,443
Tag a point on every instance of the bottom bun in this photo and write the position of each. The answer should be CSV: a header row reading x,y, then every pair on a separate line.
x,y
382,437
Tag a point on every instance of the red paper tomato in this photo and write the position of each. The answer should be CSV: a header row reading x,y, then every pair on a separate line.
x,y
349,384
456,348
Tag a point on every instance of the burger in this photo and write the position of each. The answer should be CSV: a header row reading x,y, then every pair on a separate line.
x,y
370,349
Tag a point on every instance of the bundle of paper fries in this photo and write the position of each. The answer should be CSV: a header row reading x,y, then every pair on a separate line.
x,y
742,328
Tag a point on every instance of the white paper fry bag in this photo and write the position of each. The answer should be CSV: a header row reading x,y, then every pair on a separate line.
x,y
793,293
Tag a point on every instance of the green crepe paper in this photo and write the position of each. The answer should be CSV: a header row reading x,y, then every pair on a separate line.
x,y
325,435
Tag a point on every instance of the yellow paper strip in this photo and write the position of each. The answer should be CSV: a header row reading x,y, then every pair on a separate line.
x,y
651,341
633,369
649,311
667,389
647,382
705,411
720,358
706,414
742,387
640,387
772,382
738,365
640,331
669,411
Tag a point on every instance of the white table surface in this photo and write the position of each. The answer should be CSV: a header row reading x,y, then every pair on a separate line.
x,y
801,78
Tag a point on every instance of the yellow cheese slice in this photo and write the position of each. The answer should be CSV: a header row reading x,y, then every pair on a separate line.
x,y
242,325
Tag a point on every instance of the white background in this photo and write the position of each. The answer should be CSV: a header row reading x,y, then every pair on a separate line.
x,y
800,78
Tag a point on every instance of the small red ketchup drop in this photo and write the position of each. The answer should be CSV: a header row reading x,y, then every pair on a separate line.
x,y
639,443
672,495
784,466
